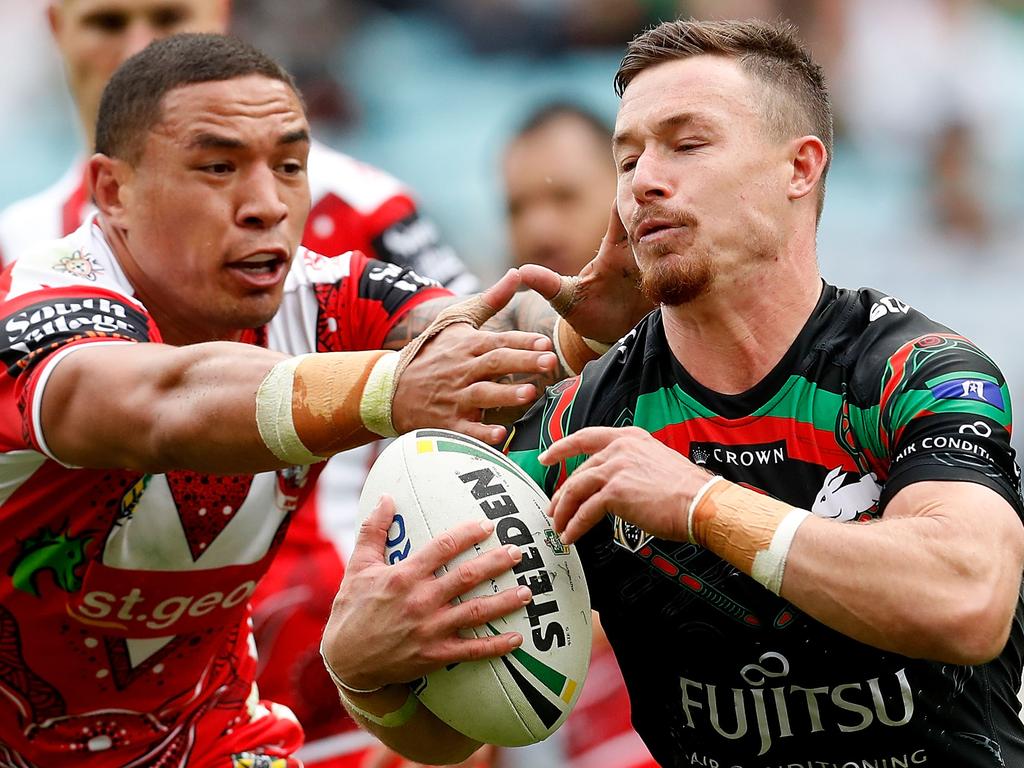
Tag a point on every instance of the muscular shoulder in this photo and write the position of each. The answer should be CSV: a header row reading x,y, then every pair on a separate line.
x,y
891,343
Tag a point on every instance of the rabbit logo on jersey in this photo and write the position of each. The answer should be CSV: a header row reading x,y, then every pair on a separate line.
x,y
842,500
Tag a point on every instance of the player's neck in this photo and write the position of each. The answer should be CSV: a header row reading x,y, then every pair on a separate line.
x,y
732,337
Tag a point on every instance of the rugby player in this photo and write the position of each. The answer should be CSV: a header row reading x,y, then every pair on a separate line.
x,y
796,504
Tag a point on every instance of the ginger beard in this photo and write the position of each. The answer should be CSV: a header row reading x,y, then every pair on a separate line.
x,y
671,278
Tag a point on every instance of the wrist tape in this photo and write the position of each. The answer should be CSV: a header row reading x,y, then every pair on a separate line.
x,y
392,719
574,351
312,406
752,531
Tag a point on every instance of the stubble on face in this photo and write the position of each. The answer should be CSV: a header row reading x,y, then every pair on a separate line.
x,y
671,273
673,280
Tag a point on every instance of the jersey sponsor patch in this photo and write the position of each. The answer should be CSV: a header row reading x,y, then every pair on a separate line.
x,y
32,332
718,456
970,389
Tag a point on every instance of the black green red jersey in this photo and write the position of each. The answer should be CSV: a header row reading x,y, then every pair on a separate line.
x,y
871,397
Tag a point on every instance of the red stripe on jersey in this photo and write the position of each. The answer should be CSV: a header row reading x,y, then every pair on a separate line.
x,y
804,442
555,430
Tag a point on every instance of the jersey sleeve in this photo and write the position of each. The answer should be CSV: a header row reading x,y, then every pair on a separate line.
x,y
42,326
945,414
363,308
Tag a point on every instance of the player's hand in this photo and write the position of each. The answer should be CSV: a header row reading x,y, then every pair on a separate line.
x,y
604,301
628,474
452,378
395,623
382,757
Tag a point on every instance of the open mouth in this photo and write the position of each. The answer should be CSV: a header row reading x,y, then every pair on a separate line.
x,y
260,264
652,227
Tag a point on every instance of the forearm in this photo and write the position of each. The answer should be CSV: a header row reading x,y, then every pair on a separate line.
x,y
155,408
923,582
898,585
423,738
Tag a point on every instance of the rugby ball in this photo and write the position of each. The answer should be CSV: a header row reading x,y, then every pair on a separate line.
x,y
440,479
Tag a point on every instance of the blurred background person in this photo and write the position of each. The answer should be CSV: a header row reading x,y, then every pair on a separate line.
x,y
559,178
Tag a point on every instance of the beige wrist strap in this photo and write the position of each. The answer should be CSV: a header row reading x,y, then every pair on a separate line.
x,y
751,531
574,351
392,719
313,406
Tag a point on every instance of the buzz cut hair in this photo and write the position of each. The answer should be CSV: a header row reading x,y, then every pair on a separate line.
x,y
131,104
795,100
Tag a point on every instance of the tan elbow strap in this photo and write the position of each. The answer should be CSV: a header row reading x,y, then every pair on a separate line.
x,y
312,406
752,531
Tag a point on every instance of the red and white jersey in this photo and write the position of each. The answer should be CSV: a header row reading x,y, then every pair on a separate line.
x,y
124,623
354,207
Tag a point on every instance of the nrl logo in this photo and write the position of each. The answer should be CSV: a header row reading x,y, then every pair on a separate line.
x,y
630,536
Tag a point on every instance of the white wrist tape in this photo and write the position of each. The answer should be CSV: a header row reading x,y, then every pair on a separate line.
x,y
394,719
770,564
598,346
274,415
693,505
378,393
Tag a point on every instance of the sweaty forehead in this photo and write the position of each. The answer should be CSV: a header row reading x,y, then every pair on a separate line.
x,y
252,104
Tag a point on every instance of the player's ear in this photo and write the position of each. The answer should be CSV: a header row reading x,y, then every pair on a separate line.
x,y
110,185
808,158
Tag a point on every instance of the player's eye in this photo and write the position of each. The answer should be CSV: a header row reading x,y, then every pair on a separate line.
x,y
218,169
291,168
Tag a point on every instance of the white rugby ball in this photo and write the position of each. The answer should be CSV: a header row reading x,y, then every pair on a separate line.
x,y
440,479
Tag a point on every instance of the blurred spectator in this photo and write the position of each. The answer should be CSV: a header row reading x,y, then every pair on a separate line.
x,y
302,36
559,184
543,27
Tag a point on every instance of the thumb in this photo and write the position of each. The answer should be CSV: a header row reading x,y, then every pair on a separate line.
x,y
373,534
544,281
501,293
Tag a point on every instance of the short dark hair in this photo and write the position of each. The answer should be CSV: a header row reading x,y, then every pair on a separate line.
x,y
796,100
131,102
552,111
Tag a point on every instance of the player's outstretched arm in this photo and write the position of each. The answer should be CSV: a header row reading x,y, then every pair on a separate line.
x,y
391,624
936,577
234,408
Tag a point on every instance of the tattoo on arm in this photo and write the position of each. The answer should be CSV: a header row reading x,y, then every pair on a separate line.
x,y
526,312
415,321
